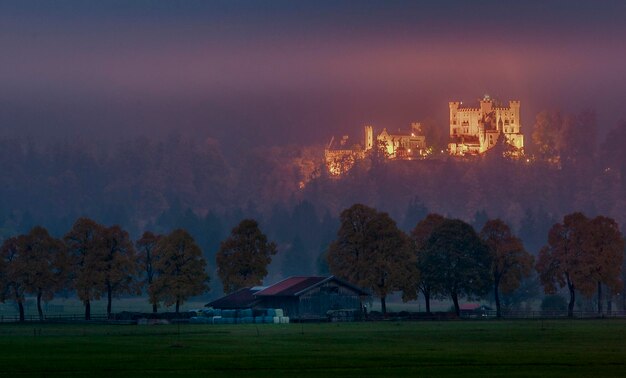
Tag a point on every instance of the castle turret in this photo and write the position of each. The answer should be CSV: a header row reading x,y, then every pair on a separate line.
x,y
515,119
369,137
454,123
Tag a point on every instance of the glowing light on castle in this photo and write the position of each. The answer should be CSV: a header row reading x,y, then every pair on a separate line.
x,y
473,131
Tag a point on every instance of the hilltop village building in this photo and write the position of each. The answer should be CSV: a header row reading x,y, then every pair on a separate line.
x,y
473,131
401,145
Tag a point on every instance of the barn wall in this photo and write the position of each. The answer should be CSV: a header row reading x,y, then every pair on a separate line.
x,y
329,296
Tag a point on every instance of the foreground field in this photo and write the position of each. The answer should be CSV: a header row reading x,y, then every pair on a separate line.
x,y
455,348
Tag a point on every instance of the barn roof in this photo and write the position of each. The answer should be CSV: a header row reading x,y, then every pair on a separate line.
x,y
294,286
242,298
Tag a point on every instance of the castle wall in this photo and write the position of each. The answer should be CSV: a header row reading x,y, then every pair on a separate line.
x,y
475,130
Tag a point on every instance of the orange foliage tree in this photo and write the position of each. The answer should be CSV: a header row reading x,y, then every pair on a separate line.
x,y
11,273
180,270
146,246
510,262
121,265
85,247
372,252
420,235
46,265
243,257
581,254
605,243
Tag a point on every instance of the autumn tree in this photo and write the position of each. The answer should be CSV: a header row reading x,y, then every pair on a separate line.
x,y
370,251
243,257
420,235
510,262
146,247
581,254
565,138
88,259
12,273
121,265
605,253
180,270
45,263
456,261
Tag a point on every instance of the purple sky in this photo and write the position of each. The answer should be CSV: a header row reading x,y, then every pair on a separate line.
x,y
259,73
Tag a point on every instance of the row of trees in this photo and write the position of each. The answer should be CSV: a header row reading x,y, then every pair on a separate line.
x,y
446,258
441,258
97,261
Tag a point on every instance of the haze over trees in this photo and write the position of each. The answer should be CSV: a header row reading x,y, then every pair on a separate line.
x,y
180,182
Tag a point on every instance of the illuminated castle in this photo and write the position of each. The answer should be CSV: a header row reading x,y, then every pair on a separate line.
x,y
473,131
400,145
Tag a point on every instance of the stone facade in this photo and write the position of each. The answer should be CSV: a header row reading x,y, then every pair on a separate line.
x,y
473,131
340,156
405,145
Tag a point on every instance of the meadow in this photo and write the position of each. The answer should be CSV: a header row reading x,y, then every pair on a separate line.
x,y
426,348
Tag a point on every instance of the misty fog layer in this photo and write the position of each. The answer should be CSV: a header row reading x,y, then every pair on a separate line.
x,y
250,74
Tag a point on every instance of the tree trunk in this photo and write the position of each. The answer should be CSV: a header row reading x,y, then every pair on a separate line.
x,y
109,297
427,300
572,300
39,306
599,298
177,305
496,294
154,308
609,301
455,300
383,305
87,310
20,305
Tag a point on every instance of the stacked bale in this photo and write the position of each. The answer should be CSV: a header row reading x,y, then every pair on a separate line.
x,y
243,316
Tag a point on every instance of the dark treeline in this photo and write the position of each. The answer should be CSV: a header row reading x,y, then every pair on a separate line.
x,y
448,259
184,183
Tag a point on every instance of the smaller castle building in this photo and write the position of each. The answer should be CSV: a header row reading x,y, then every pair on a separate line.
x,y
473,131
401,145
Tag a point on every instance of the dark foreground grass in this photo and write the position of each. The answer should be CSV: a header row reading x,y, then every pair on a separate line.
x,y
469,348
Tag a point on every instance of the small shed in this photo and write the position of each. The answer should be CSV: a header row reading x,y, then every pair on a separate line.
x,y
312,297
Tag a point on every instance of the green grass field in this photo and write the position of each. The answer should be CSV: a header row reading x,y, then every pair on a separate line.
x,y
453,348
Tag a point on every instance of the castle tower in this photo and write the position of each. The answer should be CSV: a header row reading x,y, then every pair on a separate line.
x,y
454,123
369,137
516,121
416,128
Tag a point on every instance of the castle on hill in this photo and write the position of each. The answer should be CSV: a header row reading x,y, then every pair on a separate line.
x,y
400,145
473,131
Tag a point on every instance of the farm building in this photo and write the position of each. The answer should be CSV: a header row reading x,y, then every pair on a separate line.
x,y
301,298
